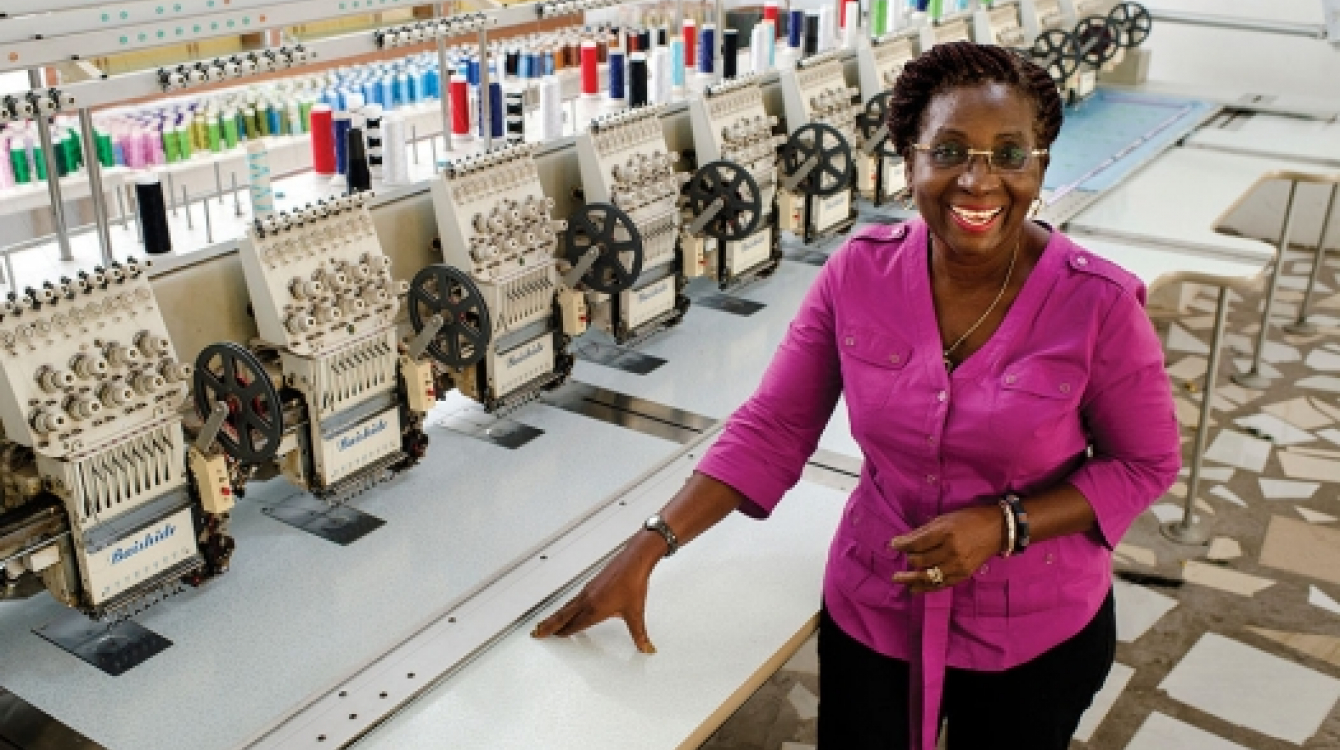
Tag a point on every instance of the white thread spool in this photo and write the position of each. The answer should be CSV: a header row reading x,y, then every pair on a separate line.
x,y
849,32
758,48
551,108
395,145
663,76
827,29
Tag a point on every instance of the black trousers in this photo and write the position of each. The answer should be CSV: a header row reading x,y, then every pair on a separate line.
x,y
863,695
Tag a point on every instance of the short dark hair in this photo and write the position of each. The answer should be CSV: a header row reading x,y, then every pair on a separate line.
x,y
954,64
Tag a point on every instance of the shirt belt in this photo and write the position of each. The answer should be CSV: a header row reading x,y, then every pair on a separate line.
x,y
932,632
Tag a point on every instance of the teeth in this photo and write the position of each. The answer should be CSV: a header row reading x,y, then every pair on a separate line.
x,y
976,217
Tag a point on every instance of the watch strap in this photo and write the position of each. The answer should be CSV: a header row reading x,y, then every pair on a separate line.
x,y
658,525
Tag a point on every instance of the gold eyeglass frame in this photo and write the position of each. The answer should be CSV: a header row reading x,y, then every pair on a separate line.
x,y
986,154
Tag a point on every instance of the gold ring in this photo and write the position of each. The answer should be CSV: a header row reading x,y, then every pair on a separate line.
x,y
936,576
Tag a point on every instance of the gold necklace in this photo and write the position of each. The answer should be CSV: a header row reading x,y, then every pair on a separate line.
x,y
949,363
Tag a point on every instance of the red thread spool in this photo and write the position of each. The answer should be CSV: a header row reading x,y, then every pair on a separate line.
x,y
770,13
323,139
590,68
690,43
459,91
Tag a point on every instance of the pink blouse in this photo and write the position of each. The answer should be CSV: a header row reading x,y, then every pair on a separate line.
x,y
1070,388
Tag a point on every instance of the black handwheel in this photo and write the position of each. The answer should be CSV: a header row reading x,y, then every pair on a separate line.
x,y
876,115
467,328
1097,37
832,172
254,427
618,244
1133,22
1057,51
742,201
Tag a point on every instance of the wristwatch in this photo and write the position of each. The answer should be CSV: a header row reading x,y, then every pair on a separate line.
x,y
658,525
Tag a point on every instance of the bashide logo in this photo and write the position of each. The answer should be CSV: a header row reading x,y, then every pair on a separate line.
x,y
525,354
120,554
652,291
753,243
837,201
359,435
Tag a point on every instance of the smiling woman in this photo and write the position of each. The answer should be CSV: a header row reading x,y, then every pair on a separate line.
x,y
1009,397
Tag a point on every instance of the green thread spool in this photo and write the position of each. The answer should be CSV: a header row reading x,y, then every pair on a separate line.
x,y
253,127
171,146
106,151
184,138
18,157
881,19
212,135
230,129
305,120
40,163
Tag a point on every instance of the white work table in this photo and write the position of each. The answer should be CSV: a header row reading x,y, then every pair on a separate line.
x,y
1273,136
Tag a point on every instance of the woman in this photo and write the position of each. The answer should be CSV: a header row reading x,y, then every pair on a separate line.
x,y
1009,396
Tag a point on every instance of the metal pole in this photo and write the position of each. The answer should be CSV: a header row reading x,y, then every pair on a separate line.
x,y
444,74
209,225
218,181
237,201
186,206
1301,326
1187,531
718,54
100,221
53,173
414,142
121,205
172,194
1253,378
485,106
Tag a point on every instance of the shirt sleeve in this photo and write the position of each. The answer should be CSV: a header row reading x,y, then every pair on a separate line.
x,y
1131,419
766,442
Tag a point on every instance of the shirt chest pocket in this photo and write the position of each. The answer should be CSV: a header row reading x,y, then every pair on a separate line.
x,y
873,364
1035,398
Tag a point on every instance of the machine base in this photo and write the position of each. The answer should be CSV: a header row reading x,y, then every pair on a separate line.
x,y
473,421
340,524
618,357
729,304
115,649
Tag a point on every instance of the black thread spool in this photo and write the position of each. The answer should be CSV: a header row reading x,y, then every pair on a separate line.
x,y
644,40
811,34
516,117
637,79
359,177
153,214
730,54
663,37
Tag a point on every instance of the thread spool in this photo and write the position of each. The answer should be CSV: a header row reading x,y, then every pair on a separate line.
x,y
770,11
879,21
812,21
758,48
707,49
258,176
551,107
6,165
459,90
153,213
590,69
373,113
494,120
795,29
395,155
360,176
677,63
852,26
323,140
690,33
515,116
662,75
616,75
342,125
827,29
644,40
637,79
730,54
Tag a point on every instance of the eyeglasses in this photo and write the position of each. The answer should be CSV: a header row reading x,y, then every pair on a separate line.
x,y
1007,158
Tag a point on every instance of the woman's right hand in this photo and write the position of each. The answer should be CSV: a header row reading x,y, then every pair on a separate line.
x,y
618,590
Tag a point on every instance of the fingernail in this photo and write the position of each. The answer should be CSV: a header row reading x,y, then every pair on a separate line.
x,y
536,632
647,648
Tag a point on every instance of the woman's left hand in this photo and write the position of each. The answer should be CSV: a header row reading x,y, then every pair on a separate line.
x,y
956,543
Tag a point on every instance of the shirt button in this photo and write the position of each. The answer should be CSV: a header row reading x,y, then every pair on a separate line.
x,y
1011,378
985,569
1065,388
1050,558
941,396
930,478
930,439
850,341
894,358
1082,261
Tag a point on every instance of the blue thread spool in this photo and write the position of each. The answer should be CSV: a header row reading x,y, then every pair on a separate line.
x,y
707,43
795,29
616,68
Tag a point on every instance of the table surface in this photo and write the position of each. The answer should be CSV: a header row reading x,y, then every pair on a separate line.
x,y
1278,136
1181,198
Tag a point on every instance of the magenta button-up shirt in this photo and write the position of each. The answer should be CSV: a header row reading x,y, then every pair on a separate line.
x,y
1070,388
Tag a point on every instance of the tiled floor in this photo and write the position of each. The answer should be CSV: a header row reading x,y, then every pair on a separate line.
x,y
1245,651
